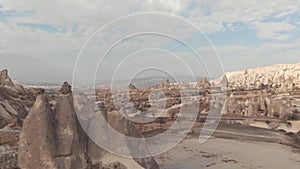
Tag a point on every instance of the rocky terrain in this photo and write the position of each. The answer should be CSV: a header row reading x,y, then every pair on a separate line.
x,y
15,103
270,91
47,128
264,97
280,77
41,130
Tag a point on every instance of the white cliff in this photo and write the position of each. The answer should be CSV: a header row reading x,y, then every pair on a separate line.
x,y
281,76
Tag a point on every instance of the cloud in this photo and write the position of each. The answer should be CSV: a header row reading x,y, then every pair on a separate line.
x,y
55,31
274,31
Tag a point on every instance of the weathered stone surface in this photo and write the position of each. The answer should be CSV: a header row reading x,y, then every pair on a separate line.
x,y
281,77
49,137
3,122
12,107
4,79
97,131
69,150
52,137
8,149
66,88
126,127
36,145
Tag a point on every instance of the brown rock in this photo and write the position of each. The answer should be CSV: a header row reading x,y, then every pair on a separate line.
x,y
131,86
122,125
49,137
66,88
69,153
4,79
3,122
36,145
126,127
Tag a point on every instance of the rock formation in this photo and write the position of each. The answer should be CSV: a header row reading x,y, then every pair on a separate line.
x,y
132,86
37,139
66,88
4,79
269,91
49,137
53,134
15,102
281,77
52,137
97,129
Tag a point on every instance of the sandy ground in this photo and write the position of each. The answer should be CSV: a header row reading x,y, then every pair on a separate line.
x,y
229,154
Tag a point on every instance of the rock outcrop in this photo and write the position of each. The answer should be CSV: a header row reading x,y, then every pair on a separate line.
x,y
49,137
70,153
53,138
97,129
269,91
15,103
66,88
5,79
37,138
125,127
282,77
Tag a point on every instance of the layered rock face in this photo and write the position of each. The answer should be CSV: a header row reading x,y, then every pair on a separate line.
x,y
14,99
15,102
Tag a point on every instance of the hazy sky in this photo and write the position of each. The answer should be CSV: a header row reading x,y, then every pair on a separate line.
x,y
40,40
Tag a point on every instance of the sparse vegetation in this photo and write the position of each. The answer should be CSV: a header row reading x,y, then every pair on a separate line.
x,y
273,92
293,116
276,114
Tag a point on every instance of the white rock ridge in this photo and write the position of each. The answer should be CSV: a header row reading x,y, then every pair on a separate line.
x,y
281,76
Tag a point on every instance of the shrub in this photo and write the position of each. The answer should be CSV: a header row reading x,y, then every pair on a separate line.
x,y
293,116
273,92
276,114
268,121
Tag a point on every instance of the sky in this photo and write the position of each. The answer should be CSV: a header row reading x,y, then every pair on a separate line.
x,y
62,40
